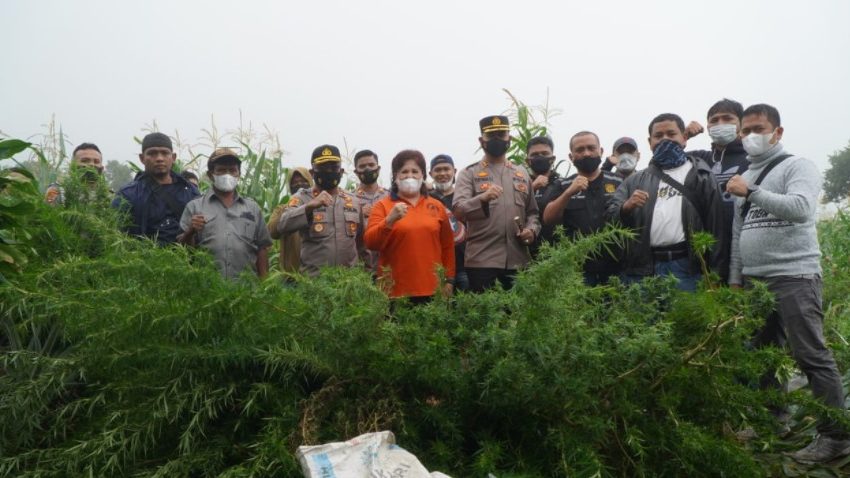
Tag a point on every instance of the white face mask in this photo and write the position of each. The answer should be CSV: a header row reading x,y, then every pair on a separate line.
x,y
723,134
628,163
409,185
443,187
757,144
225,182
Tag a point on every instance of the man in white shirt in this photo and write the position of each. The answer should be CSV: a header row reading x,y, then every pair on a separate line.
x,y
666,204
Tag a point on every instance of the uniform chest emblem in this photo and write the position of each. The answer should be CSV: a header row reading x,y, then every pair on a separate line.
x,y
610,188
318,217
482,174
318,227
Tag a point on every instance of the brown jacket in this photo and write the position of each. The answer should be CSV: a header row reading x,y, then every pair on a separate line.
x,y
491,231
330,236
289,258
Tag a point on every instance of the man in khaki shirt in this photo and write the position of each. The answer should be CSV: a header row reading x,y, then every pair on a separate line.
x,y
328,218
495,199
368,193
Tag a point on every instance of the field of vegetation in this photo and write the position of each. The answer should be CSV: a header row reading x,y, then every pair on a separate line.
x,y
123,359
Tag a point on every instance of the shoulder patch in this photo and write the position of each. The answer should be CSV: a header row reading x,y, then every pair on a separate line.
x,y
294,202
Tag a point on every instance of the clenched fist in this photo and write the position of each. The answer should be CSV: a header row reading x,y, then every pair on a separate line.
x,y
324,198
737,186
490,194
578,185
397,212
637,200
693,129
198,223
540,182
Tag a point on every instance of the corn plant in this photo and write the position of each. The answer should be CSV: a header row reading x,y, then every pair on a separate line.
x,y
527,123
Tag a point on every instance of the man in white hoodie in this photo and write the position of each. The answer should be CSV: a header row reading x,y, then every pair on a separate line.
x,y
774,240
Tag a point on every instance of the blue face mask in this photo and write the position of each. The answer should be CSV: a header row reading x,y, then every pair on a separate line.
x,y
669,154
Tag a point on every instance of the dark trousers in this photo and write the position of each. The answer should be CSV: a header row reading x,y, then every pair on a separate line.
x,y
797,321
595,278
483,278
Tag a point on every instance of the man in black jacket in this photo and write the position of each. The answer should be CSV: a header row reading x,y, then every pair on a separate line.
x,y
540,157
666,204
580,201
726,157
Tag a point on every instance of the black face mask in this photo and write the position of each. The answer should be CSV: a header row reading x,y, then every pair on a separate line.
x,y
327,180
370,176
540,164
587,165
89,174
496,147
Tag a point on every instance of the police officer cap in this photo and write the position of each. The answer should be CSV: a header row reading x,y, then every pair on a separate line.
x,y
492,124
325,153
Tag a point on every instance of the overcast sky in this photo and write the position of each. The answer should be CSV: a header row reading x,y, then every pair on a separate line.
x,y
390,75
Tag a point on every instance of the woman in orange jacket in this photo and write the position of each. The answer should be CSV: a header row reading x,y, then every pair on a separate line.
x,y
412,233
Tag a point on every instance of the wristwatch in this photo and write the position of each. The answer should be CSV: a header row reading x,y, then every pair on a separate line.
x,y
751,188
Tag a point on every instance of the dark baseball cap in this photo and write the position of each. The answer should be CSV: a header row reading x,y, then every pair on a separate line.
x,y
442,159
624,141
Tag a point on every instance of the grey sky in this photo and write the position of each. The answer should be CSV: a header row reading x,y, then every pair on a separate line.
x,y
390,75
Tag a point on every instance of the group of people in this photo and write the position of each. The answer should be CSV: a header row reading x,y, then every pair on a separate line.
x,y
475,228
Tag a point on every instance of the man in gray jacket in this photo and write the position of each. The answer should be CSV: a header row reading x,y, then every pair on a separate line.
x,y
774,240
665,204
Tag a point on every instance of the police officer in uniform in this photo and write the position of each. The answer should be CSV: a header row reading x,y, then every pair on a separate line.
x,y
579,204
328,218
368,193
495,199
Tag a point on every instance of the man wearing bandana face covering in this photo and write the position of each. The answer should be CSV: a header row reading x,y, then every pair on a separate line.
x,y
368,193
653,204
495,199
579,204
328,218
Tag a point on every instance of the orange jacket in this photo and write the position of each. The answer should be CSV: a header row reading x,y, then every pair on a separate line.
x,y
413,247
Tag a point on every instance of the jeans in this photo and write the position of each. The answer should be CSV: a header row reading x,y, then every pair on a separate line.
x,y
679,268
